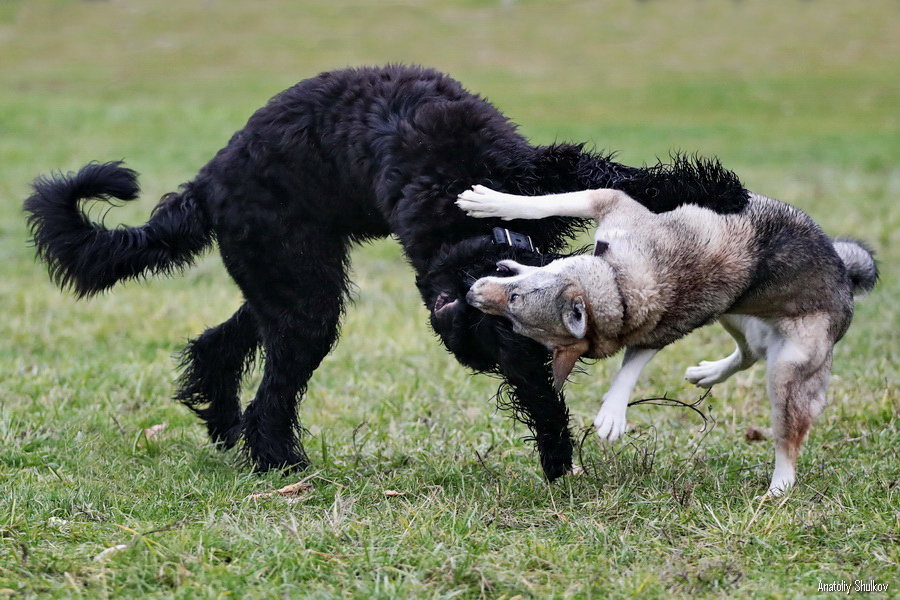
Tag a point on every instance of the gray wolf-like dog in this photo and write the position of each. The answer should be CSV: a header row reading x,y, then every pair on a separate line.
x,y
773,279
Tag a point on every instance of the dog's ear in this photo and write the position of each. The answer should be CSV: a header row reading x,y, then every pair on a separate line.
x,y
511,267
575,317
564,359
507,267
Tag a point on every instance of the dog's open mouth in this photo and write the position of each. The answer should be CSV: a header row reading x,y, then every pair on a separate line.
x,y
443,303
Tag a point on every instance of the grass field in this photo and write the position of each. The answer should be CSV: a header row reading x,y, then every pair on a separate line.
x,y
801,98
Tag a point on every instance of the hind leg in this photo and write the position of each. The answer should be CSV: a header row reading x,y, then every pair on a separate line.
x,y
212,367
751,336
799,367
295,283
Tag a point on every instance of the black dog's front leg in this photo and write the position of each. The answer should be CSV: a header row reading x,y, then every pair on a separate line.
x,y
534,401
487,344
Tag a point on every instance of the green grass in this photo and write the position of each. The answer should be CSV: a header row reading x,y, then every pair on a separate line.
x,y
799,97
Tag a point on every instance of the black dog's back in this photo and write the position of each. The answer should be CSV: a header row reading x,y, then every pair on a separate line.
x,y
370,152
337,159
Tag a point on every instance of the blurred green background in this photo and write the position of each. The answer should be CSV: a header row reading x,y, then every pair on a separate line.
x,y
801,98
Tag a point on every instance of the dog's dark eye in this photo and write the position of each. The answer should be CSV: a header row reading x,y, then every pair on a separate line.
x,y
513,297
503,269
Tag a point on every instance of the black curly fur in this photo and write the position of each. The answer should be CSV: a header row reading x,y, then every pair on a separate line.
x,y
89,258
212,366
335,160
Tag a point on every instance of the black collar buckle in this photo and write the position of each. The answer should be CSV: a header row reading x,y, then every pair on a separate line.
x,y
506,237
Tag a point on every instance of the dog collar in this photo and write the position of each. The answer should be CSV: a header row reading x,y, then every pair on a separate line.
x,y
505,237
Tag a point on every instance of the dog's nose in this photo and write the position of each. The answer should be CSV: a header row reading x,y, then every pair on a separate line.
x,y
471,298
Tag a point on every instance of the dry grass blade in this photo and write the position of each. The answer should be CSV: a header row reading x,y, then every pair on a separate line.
x,y
292,490
110,551
155,430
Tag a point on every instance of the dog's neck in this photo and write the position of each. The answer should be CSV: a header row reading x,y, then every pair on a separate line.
x,y
643,299
641,302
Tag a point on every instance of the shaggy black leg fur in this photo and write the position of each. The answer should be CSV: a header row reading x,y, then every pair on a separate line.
x,y
296,290
212,367
533,401
488,344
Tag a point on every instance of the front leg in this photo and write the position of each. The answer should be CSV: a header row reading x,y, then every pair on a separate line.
x,y
535,402
482,202
610,421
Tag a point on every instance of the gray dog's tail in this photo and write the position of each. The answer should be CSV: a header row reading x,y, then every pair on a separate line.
x,y
859,261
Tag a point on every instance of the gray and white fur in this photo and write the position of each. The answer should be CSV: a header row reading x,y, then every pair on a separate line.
x,y
772,278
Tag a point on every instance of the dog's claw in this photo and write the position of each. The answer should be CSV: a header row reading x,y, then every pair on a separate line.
x,y
770,496
779,488
474,205
709,373
610,425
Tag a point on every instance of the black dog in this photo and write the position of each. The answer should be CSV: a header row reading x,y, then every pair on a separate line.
x,y
335,160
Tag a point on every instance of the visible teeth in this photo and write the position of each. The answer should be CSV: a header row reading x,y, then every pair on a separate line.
x,y
441,303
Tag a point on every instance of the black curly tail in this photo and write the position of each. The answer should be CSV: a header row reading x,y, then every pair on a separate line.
x,y
88,258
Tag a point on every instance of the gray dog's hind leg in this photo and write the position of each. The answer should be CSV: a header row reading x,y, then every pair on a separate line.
x,y
799,367
751,336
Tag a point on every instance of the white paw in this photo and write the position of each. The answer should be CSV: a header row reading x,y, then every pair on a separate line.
x,y
610,424
708,372
779,487
481,202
